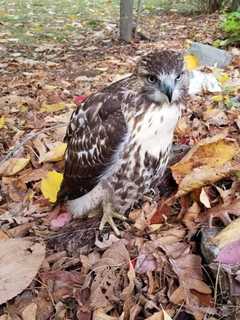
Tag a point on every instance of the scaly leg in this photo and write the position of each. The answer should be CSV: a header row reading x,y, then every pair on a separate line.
x,y
108,215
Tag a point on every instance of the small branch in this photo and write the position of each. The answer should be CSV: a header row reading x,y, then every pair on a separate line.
x,y
28,137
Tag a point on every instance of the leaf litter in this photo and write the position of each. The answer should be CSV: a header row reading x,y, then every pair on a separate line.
x,y
166,264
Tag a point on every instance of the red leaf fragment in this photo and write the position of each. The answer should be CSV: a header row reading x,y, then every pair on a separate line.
x,y
79,99
60,221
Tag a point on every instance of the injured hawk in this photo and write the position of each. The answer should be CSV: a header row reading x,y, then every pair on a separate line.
x,y
119,139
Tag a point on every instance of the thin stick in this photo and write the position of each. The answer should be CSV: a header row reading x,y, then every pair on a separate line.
x,y
28,137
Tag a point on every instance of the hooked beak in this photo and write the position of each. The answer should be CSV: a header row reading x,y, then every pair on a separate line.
x,y
167,89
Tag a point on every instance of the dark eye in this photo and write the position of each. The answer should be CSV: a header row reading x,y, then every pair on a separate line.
x,y
178,77
152,79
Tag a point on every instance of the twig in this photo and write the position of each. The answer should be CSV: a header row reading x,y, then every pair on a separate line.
x,y
28,137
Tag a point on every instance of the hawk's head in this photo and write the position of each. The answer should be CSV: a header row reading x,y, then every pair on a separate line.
x,y
162,76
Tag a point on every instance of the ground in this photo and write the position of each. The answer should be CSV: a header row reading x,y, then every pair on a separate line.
x,y
167,261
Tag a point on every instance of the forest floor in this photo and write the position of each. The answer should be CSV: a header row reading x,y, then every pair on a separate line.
x,y
171,261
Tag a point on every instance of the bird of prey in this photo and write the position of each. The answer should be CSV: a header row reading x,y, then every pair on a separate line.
x,y
119,139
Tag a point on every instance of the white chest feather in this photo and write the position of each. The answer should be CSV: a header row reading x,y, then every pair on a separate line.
x,y
155,132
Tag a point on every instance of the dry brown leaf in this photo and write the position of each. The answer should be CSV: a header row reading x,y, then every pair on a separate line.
x,y
215,117
192,217
207,162
5,317
128,291
14,188
13,166
20,260
108,272
30,312
3,235
55,154
222,211
178,296
33,175
99,314
162,315
228,234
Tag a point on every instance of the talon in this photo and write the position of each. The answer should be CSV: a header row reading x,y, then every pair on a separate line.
x,y
108,215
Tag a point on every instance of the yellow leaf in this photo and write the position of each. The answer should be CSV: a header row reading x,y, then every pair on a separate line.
x,y
220,98
207,162
2,122
13,166
191,62
223,77
217,98
52,107
51,185
56,154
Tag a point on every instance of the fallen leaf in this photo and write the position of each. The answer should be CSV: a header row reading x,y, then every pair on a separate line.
x,y
108,271
20,260
13,166
56,154
192,217
215,116
204,199
51,185
227,235
79,99
3,235
99,314
2,122
207,162
5,317
223,211
60,221
161,315
166,316
191,62
52,107
219,98
223,77
128,291
230,253
30,312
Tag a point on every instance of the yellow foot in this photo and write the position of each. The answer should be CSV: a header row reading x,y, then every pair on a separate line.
x,y
108,215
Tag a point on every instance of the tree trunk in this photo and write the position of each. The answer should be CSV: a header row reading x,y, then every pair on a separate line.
x,y
235,5
126,20
214,5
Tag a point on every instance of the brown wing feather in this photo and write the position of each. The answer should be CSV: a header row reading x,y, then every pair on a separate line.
x,y
94,133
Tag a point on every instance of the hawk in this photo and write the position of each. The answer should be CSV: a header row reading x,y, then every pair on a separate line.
x,y
119,139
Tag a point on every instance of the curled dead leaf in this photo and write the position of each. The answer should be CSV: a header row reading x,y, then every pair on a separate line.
x,y
56,154
13,166
207,162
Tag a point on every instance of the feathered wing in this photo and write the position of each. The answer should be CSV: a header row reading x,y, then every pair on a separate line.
x,y
94,133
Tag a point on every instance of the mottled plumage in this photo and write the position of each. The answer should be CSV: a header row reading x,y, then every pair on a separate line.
x,y
119,139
